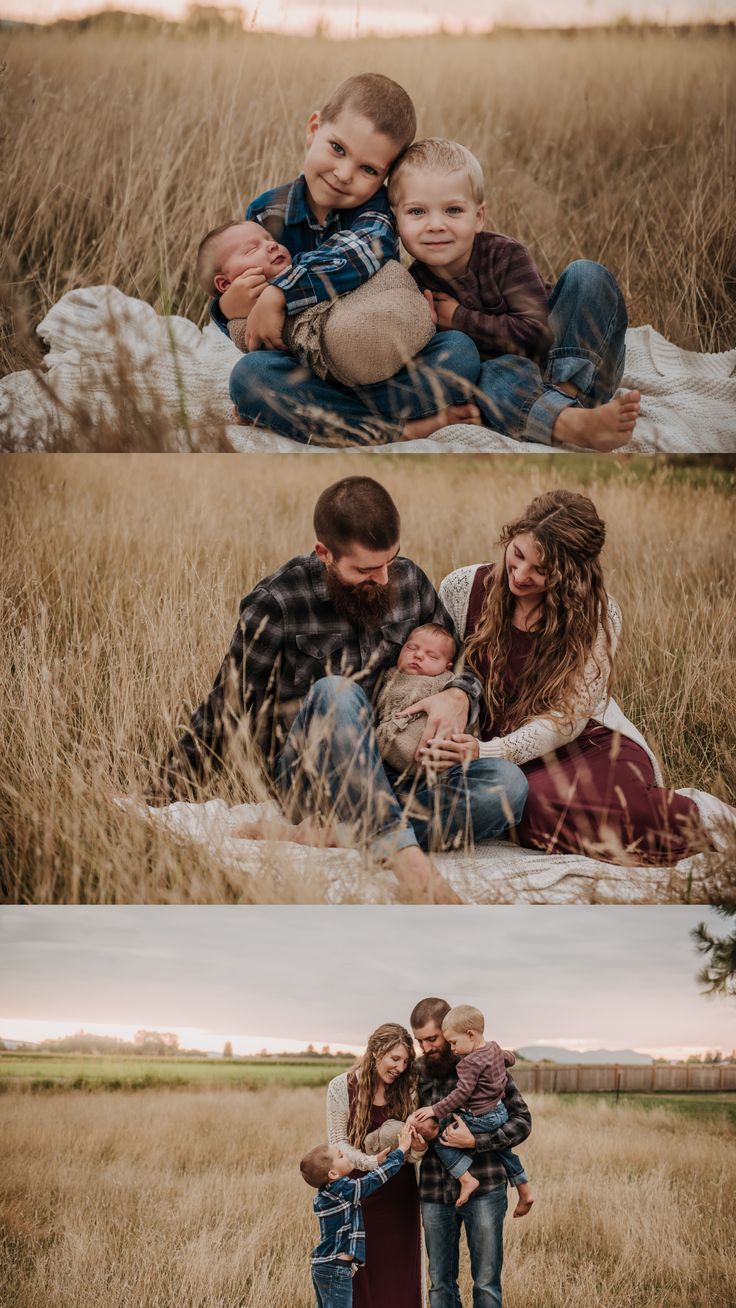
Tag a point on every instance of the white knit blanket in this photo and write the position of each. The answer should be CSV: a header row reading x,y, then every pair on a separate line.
x,y
495,872
689,400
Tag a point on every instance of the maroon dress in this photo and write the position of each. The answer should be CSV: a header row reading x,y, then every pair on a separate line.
x,y
391,1276
597,795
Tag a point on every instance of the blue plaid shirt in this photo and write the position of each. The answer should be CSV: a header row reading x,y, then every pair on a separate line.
x,y
340,1215
330,258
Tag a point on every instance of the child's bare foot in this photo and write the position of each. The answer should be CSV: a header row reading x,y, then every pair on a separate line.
x,y
604,428
420,427
468,1184
526,1199
419,882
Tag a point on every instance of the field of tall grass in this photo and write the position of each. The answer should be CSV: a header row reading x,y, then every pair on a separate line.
x,y
47,1071
122,577
161,1199
119,150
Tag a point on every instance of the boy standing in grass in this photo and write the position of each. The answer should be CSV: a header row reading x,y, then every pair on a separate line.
x,y
337,1204
336,222
552,359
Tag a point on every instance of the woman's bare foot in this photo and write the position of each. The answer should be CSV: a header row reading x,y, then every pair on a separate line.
x,y
605,428
526,1199
308,832
419,882
420,427
468,1184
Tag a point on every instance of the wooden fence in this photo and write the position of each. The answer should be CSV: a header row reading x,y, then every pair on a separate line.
x,y
659,1078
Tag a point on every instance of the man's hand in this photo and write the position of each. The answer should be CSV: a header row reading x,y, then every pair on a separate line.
x,y
242,294
458,1135
458,750
266,321
444,307
447,715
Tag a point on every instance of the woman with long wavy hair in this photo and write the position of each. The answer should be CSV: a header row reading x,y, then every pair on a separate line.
x,y
540,632
381,1085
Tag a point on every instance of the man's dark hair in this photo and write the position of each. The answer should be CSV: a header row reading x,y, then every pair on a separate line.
x,y
428,1010
356,511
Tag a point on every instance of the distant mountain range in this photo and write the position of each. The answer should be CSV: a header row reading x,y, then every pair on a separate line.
x,y
556,1055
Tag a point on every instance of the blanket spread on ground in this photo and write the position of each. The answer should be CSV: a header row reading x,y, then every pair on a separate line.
x,y
688,399
494,872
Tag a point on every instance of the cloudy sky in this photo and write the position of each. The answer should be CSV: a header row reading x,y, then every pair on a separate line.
x,y
283,977
354,17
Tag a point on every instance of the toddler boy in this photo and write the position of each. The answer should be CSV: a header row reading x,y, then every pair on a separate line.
x,y
336,222
551,361
337,1204
477,1099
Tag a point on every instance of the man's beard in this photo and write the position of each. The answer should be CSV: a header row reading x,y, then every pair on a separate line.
x,y
364,604
441,1063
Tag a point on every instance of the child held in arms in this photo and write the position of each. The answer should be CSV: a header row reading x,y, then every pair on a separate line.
x,y
478,1100
335,222
552,358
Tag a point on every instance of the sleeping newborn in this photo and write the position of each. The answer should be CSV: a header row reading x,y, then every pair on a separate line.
x,y
424,668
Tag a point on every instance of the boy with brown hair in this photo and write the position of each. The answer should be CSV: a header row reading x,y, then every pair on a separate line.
x,y
552,358
336,223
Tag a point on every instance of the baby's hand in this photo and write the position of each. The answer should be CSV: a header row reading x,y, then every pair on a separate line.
x,y
242,294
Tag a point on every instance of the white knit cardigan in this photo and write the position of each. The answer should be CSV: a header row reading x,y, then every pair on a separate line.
x,y
338,1114
544,734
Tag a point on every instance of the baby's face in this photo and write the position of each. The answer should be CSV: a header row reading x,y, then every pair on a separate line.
x,y
248,246
426,653
438,218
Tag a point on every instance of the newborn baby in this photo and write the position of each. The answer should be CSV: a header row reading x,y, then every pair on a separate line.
x,y
387,1134
362,337
424,668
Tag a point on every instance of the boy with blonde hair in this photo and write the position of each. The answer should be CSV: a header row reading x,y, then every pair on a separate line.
x,y
477,1099
552,358
336,223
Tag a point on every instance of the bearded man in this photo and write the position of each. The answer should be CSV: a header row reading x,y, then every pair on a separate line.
x,y
302,674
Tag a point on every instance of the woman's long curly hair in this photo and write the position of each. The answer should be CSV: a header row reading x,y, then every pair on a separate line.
x,y
401,1097
570,536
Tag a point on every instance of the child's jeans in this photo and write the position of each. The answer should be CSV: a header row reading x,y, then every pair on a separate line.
x,y
458,1162
333,1284
588,317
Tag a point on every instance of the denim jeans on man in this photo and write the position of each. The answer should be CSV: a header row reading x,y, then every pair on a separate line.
x,y
588,317
333,1284
272,389
331,764
482,1216
457,1161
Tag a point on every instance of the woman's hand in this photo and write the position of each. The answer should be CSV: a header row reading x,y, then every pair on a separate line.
x,y
459,749
266,321
458,1135
447,714
242,294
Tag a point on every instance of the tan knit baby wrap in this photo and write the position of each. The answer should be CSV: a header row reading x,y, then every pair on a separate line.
x,y
398,733
385,1136
362,337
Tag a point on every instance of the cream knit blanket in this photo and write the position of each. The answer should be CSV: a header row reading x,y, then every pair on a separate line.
x,y
689,400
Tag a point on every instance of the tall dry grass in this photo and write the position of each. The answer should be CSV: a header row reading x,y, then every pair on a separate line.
x,y
120,151
161,1199
122,577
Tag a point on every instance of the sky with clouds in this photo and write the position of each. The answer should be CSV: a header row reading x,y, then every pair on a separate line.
x,y
352,17
587,977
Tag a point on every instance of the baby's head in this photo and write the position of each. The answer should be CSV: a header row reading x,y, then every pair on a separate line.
x,y
429,651
324,1164
437,193
462,1027
234,248
354,138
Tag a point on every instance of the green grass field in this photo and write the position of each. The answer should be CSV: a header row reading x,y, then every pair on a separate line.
x,y
103,1072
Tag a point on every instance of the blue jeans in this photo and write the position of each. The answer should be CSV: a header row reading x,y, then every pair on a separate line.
x,y
272,389
482,1216
457,1161
333,1284
588,318
331,764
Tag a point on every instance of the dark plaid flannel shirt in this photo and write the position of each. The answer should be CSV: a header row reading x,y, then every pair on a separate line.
x,y
435,1183
329,258
502,298
337,1206
288,636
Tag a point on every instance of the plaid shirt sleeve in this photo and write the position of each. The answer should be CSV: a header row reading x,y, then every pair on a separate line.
x,y
342,262
523,327
244,684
